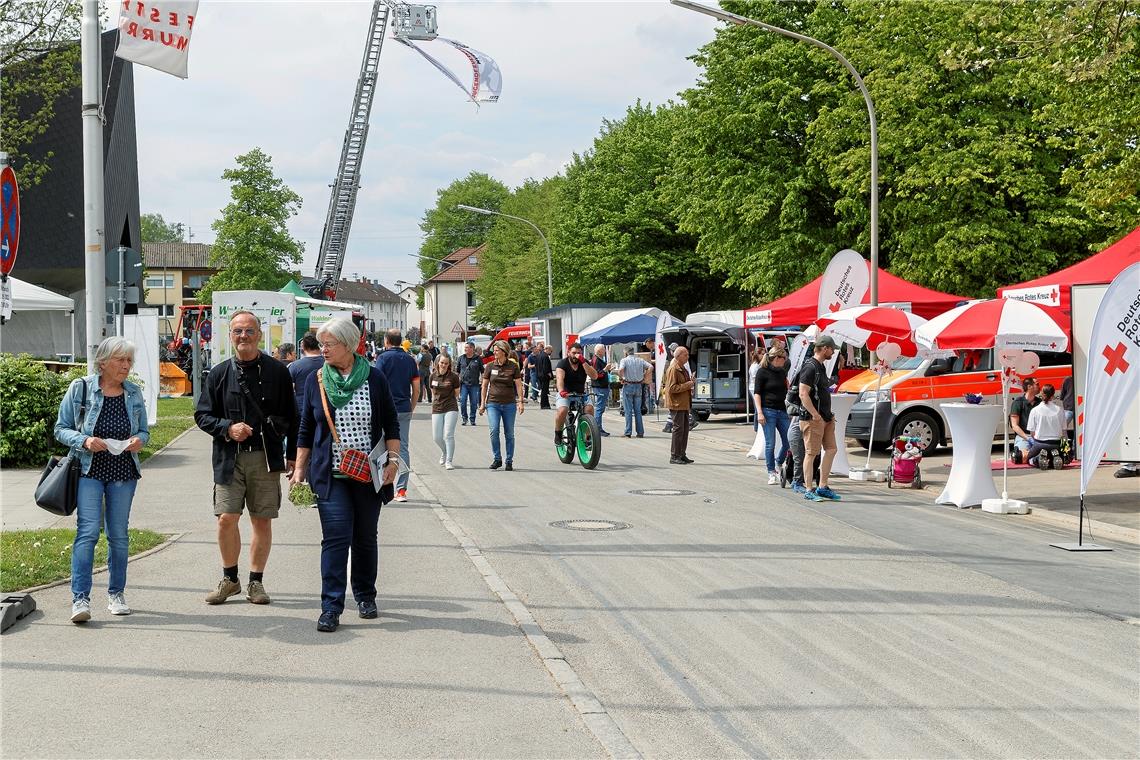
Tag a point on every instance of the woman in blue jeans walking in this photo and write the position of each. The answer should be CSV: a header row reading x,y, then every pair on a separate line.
x,y
769,395
103,416
502,401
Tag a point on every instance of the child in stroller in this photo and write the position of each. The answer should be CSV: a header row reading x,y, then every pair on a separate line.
x,y
906,454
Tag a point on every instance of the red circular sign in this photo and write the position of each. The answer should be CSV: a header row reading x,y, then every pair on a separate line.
x,y
9,219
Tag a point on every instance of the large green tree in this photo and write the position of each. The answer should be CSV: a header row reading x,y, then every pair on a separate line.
x,y
615,238
39,61
446,228
155,229
513,279
253,249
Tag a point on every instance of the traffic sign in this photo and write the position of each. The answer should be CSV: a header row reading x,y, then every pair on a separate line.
x,y
9,220
457,329
132,265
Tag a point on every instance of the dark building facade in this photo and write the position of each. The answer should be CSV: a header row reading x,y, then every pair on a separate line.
x,y
51,228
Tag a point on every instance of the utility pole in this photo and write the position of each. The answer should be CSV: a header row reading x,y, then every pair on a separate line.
x,y
92,116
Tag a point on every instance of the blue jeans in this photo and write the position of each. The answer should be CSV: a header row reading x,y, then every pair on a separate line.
x,y
504,413
775,421
90,515
469,402
405,423
601,396
349,519
533,392
631,403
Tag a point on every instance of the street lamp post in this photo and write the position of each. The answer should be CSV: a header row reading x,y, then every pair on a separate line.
x,y
549,266
733,18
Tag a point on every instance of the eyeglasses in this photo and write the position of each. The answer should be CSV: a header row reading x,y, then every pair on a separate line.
x,y
244,331
328,346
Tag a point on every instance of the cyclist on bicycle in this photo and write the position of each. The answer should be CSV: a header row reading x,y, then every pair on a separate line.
x,y
570,378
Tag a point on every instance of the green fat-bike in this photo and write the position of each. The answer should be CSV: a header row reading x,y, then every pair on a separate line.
x,y
580,435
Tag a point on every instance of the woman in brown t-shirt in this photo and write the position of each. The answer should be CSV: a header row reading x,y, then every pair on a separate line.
x,y
444,407
502,400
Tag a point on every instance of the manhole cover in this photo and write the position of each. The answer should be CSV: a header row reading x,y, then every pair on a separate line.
x,y
662,492
590,525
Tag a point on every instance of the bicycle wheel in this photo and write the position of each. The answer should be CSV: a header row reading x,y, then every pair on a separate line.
x,y
565,449
589,442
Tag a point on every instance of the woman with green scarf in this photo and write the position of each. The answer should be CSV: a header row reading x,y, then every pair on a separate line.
x,y
352,396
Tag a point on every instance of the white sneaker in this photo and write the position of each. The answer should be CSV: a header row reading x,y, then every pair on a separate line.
x,y
80,611
449,466
772,479
441,460
117,604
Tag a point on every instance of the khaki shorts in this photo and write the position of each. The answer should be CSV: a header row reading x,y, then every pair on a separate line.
x,y
253,487
817,435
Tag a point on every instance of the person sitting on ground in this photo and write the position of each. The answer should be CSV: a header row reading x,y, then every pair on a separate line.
x,y
570,379
1019,416
1046,425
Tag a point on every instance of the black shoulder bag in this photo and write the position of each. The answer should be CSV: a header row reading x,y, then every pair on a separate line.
x,y
58,488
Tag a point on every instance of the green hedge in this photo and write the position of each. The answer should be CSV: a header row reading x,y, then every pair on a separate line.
x,y
29,402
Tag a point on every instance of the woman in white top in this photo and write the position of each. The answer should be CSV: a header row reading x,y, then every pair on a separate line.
x,y
1046,424
753,368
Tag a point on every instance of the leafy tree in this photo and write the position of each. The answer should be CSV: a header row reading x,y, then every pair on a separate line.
x,y
615,239
156,230
513,279
253,249
446,228
40,61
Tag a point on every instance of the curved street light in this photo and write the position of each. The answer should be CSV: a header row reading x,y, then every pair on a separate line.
x,y
733,18
549,267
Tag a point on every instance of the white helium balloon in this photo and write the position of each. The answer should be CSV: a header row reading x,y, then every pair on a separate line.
x,y
1008,357
888,352
1028,364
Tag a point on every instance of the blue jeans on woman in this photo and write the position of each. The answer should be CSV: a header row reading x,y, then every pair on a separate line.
x,y
775,421
349,519
504,413
105,504
601,396
469,402
631,403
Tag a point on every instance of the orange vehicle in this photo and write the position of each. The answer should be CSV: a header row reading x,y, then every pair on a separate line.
x,y
913,392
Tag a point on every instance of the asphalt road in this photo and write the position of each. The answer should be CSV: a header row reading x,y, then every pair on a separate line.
x,y
731,620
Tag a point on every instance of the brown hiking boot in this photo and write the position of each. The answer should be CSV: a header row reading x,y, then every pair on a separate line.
x,y
226,588
255,593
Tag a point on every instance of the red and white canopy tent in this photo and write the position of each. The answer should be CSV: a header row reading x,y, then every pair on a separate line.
x,y
799,308
1054,289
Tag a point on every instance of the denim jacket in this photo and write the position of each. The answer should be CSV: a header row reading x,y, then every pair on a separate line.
x,y
67,429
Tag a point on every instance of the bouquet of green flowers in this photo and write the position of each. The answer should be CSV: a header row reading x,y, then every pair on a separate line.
x,y
302,496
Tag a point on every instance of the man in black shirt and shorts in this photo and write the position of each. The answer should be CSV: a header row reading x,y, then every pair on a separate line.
x,y
570,378
817,422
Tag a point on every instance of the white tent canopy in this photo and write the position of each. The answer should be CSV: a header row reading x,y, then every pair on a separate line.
x,y
29,297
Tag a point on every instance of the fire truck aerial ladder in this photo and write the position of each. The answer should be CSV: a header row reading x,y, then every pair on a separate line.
x,y
412,22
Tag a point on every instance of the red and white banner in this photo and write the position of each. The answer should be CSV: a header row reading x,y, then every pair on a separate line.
x,y
486,79
1112,380
660,354
1049,295
156,33
844,283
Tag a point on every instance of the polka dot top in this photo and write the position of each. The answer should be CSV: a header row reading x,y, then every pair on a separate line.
x,y
354,424
115,424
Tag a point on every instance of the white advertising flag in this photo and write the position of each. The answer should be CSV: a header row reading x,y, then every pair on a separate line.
x,y
844,283
156,33
487,80
1112,379
660,354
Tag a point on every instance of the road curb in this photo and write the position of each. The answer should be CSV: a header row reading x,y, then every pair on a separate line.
x,y
103,568
593,714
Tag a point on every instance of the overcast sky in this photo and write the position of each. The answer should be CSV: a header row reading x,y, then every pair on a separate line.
x,y
281,76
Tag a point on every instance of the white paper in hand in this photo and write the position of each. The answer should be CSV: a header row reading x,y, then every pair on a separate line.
x,y
116,447
377,458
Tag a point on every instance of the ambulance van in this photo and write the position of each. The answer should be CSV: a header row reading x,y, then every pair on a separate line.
x,y
913,392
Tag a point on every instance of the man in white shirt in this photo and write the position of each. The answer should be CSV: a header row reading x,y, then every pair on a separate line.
x,y
1046,426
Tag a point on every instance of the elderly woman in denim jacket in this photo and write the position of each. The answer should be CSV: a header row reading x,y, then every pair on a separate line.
x,y
108,437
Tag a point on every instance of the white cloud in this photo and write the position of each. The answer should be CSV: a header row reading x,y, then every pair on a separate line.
x,y
281,76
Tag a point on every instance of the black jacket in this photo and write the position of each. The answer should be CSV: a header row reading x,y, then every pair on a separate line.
x,y
543,367
223,403
470,370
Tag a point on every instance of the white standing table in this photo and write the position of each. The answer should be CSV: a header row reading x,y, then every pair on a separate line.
x,y
841,404
972,428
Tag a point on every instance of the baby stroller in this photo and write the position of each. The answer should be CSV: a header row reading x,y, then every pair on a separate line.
x,y
906,456
787,469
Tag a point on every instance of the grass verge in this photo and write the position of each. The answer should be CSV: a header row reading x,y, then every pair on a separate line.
x,y
175,416
35,557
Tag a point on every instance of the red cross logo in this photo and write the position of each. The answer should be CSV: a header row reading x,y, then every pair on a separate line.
x,y
1053,345
1114,358
1053,295
661,348
835,306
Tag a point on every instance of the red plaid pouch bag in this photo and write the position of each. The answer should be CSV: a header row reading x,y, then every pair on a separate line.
x,y
353,462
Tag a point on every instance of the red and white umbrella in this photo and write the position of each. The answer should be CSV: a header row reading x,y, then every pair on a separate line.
x,y
871,325
996,323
